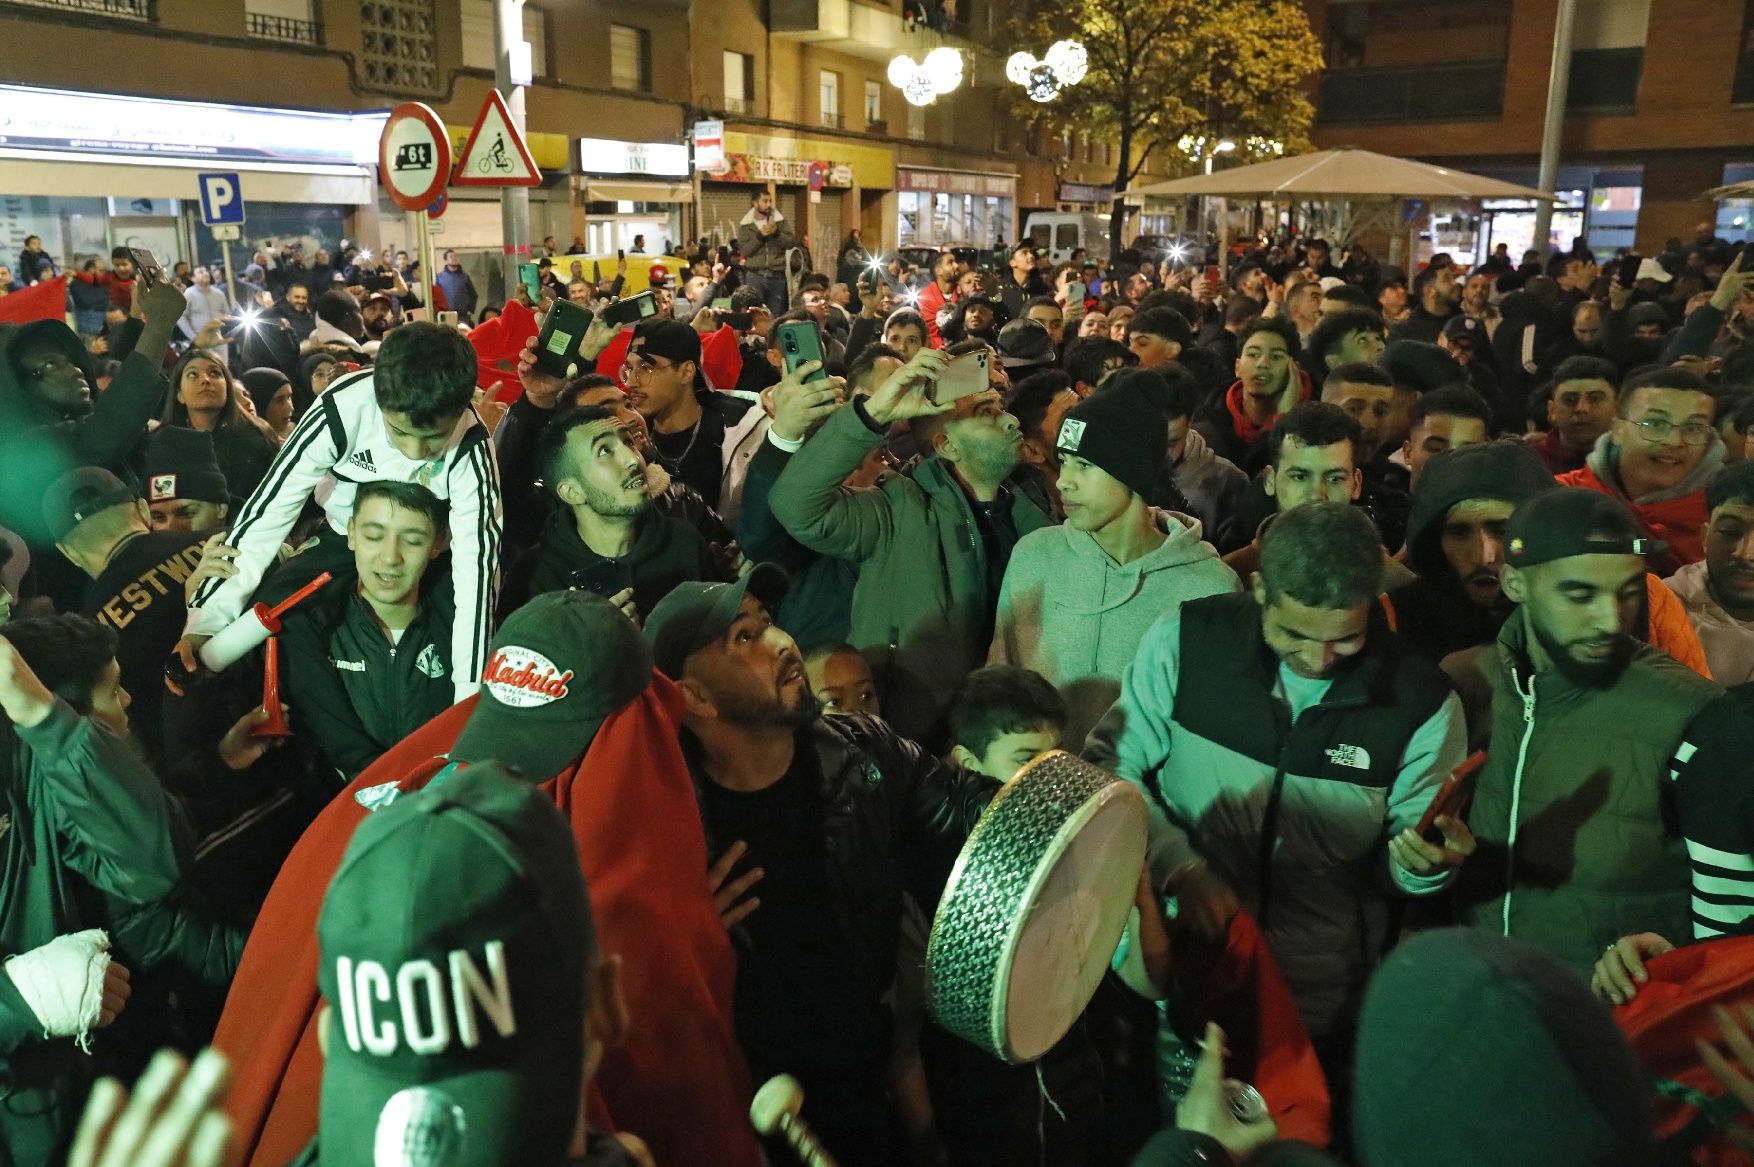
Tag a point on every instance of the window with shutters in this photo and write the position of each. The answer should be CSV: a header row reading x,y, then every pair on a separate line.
x,y
739,82
478,36
630,58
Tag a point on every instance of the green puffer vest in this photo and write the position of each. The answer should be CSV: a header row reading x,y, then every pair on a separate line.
x,y
1595,857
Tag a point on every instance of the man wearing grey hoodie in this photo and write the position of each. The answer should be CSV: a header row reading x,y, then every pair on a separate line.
x,y
1079,597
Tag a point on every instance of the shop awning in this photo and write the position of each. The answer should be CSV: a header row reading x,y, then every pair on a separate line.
x,y
609,191
25,172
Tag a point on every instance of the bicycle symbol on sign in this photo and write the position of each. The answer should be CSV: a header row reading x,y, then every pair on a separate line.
x,y
496,158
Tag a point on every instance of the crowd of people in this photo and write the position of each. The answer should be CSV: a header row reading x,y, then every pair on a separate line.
x,y
605,740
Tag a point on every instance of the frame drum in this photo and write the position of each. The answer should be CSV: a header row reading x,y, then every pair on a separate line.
x,y
1035,906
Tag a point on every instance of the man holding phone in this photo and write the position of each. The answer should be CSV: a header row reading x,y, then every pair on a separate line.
x,y
932,543
764,236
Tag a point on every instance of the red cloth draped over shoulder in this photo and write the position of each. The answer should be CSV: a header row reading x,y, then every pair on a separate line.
x,y
678,1082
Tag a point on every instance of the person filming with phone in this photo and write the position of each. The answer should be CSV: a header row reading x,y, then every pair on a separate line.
x,y
765,236
932,543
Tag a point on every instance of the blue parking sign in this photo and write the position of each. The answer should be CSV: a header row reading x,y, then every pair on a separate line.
x,y
222,199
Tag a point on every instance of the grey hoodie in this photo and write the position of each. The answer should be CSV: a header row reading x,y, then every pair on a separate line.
x,y
1071,613
1213,487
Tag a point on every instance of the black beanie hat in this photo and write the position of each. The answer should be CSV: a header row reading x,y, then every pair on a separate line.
x,y
262,384
1124,430
180,463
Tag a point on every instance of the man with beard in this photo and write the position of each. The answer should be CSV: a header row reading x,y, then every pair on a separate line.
x,y
294,307
816,826
1268,383
1455,541
1438,299
1580,409
931,544
605,537
1658,458
570,699
1587,727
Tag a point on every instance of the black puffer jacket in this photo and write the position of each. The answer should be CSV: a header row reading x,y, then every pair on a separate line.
x,y
893,819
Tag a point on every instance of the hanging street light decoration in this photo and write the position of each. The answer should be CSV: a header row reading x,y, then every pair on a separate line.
x,y
1064,64
923,82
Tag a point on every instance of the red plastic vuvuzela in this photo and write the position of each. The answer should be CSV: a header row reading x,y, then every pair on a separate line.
x,y
276,725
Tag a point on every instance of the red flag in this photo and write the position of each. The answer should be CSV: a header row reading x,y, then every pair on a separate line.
x,y
44,301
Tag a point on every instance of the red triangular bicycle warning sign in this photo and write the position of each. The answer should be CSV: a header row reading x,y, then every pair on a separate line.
x,y
495,154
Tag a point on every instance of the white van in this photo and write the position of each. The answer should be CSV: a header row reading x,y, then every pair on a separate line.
x,y
1056,233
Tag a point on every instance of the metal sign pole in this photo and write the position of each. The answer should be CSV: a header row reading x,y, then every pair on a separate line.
x,y
231,283
428,280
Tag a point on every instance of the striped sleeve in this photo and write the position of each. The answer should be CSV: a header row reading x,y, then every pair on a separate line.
x,y
476,520
1714,806
268,516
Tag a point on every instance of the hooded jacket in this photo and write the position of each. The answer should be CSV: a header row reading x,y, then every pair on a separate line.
x,y
1728,642
921,606
1213,487
1677,515
1434,613
678,1081
666,551
38,443
1074,615
1230,434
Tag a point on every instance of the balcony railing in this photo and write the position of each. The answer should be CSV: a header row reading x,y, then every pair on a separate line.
x,y
281,28
833,121
742,105
1437,92
127,9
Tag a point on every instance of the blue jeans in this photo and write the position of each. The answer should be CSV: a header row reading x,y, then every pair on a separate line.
x,y
772,286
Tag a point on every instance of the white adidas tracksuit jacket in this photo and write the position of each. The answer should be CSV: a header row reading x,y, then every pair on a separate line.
x,y
341,443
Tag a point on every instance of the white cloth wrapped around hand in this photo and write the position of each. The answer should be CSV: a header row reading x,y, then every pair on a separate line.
x,y
63,982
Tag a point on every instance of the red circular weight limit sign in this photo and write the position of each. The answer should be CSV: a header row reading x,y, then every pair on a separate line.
x,y
414,156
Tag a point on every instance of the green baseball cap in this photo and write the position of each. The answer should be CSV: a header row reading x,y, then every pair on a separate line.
x,y
559,666
695,614
454,945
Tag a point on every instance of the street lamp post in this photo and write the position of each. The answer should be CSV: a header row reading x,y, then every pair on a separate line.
x,y
1558,86
511,72
1224,146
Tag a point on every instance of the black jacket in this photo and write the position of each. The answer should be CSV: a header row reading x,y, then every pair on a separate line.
x,y
893,820
666,551
353,693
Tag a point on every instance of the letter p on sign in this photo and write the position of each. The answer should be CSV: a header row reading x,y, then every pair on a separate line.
x,y
221,199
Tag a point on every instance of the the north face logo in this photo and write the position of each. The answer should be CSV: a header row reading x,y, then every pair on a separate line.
x,y
161,487
428,663
1071,434
363,460
1352,757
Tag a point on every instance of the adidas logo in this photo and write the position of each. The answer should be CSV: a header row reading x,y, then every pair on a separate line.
x,y
363,460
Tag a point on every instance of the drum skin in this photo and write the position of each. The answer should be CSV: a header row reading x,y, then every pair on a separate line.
x,y
1035,907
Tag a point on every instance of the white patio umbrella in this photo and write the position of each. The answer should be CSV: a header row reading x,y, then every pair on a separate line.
x,y
1342,173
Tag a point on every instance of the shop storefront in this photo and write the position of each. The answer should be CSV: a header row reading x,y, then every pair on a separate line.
x,y
90,171
825,187
632,189
955,208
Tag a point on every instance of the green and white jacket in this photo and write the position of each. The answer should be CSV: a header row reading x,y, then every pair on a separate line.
x,y
1289,788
